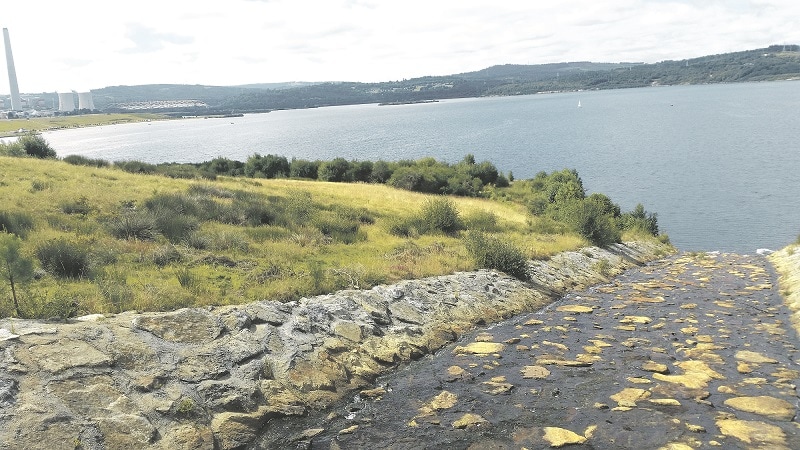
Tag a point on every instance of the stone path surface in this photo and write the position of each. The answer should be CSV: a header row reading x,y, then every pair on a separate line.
x,y
693,352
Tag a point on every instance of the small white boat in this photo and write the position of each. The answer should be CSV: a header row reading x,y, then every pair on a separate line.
x,y
579,103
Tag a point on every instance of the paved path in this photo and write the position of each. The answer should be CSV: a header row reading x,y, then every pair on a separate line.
x,y
693,352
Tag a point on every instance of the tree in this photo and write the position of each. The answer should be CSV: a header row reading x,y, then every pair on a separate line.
x,y
15,267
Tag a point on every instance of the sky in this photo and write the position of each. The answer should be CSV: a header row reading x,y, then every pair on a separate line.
x,y
90,44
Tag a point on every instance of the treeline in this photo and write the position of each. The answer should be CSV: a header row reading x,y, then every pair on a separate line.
x,y
466,178
559,197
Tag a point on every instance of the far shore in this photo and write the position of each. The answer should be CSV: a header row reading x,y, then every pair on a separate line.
x,y
18,127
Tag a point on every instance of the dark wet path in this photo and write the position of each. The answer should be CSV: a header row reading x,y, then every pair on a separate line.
x,y
692,352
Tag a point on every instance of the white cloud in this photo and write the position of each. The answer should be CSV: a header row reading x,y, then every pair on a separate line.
x,y
86,44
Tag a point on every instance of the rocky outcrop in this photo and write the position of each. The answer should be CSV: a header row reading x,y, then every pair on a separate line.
x,y
213,377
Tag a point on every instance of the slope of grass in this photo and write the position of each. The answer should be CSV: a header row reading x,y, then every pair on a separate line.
x,y
230,241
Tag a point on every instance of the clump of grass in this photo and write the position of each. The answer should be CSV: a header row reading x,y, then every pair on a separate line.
x,y
80,206
64,258
133,224
15,222
481,220
165,255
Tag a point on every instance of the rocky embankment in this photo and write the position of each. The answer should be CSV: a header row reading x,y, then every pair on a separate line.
x,y
212,378
695,351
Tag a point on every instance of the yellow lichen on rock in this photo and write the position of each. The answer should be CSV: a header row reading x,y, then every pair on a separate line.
x,y
574,309
636,319
444,400
754,357
753,432
771,407
628,397
535,372
479,348
469,420
559,437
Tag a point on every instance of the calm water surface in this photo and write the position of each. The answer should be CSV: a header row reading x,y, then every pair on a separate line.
x,y
718,163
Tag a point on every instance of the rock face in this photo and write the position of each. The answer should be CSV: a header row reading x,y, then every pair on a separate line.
x,y
211,378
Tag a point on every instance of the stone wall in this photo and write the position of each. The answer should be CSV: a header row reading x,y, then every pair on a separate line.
x,y
213,377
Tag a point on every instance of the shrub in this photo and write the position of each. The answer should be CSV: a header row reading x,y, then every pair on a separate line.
x,y
440,214
12,149
77,160
590,221
335,170
135,167
301,168
269,166
18,223
640,220
492,253
381,172
63,258
35,145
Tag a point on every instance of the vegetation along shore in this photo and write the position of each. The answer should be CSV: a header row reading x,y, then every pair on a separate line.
x,y
172,236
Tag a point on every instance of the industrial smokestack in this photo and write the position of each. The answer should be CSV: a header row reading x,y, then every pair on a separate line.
x,y
16,102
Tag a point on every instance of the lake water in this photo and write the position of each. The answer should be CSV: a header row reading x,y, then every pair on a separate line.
x,y
719,163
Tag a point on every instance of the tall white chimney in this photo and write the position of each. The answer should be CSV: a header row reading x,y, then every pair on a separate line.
x,y
16,102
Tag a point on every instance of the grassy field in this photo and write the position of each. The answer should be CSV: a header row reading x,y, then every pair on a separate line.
x,y
11,127
263,239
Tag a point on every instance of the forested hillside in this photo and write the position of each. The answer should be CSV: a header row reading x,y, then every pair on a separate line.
x,y
772,63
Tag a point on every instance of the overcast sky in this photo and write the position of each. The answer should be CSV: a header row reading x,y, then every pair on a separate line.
x,y
79,45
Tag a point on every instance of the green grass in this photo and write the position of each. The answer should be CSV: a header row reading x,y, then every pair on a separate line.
x,y
236,240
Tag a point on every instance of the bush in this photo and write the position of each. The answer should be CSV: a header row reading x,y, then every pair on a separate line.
x,y
440,214
301,168
63,258
18,223
269,166
35,145
13,149
335,170
492,253
640,220
135,167
77,160
590,221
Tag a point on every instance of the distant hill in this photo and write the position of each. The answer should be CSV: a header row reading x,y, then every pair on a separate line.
x,y
771,63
